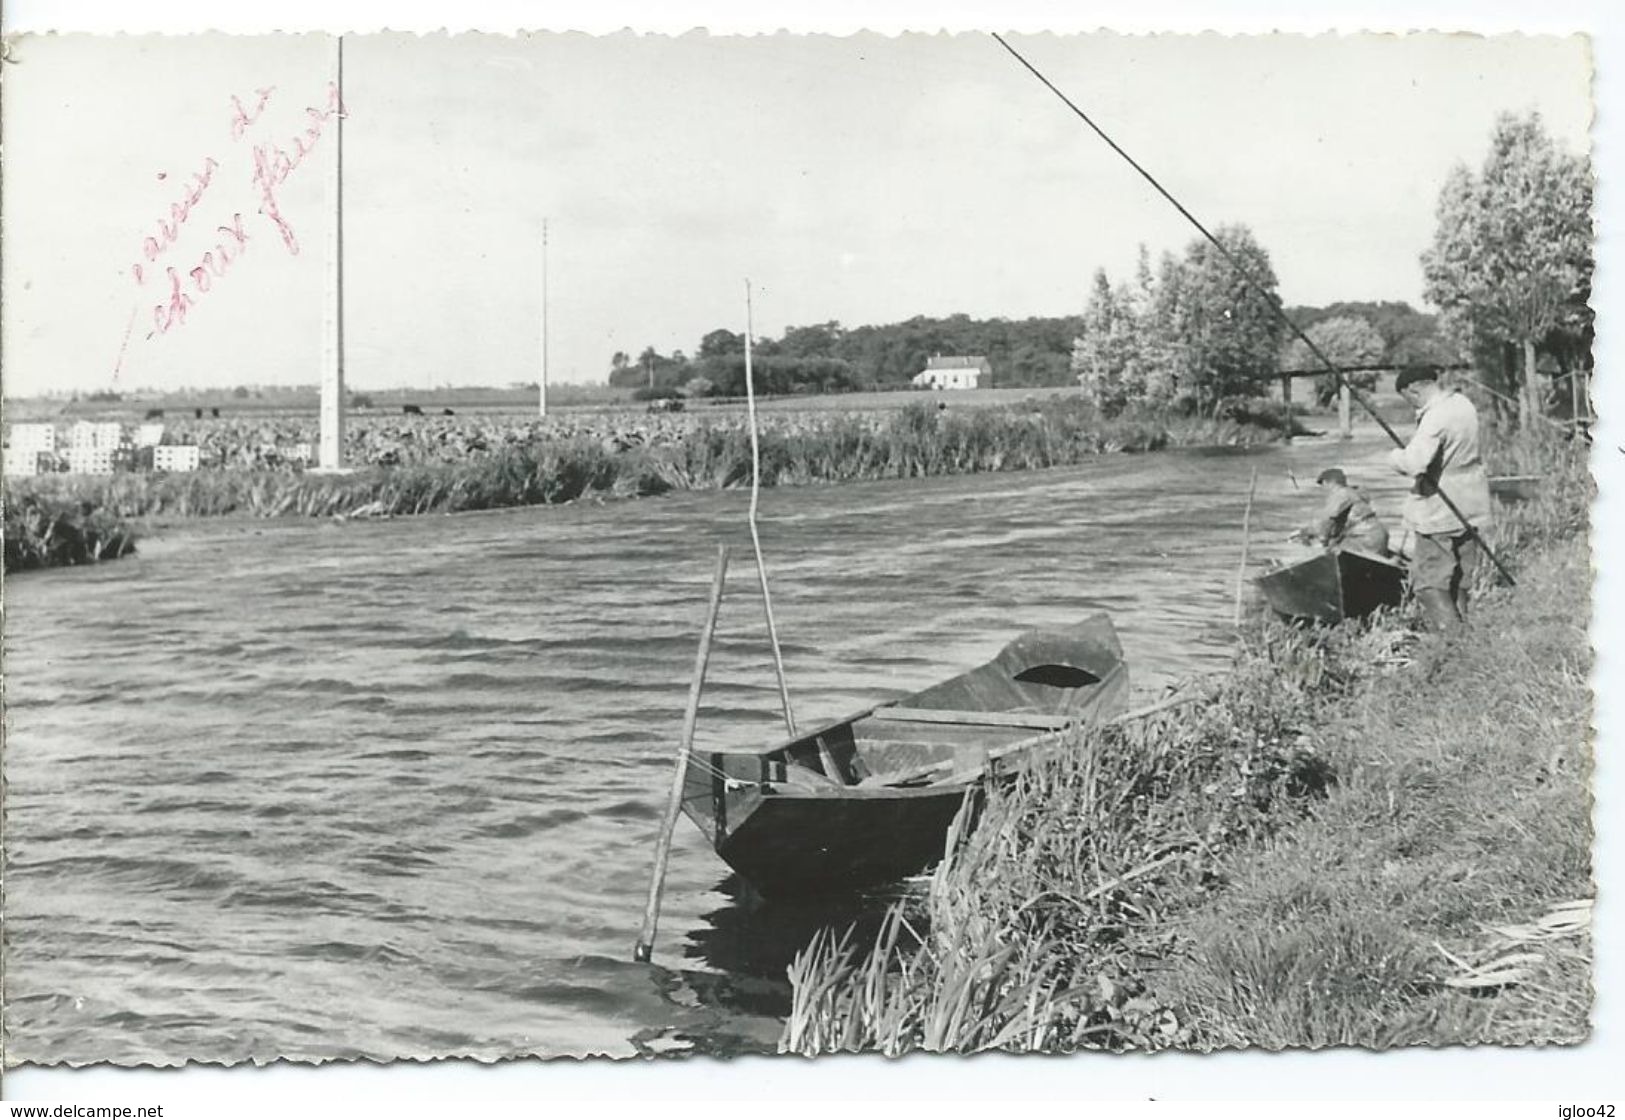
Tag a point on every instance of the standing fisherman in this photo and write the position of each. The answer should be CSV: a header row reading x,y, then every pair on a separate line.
x,y
1442,457
1346,518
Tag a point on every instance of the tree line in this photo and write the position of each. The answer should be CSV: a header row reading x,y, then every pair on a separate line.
x,y
1509,271
828,357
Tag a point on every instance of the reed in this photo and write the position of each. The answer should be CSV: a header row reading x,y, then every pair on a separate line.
x,y
487,467
48,532
1331,849
1035,925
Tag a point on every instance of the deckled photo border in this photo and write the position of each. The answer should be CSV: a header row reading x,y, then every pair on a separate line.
x,y
1424,1073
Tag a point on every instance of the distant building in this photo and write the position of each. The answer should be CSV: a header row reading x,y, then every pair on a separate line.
x,y
954,372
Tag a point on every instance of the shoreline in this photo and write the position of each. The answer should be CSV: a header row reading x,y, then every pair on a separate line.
x,y
915,443
1357,841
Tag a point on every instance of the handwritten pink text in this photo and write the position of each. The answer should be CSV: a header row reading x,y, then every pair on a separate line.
x,y
214,264
273,165
242,119
169,231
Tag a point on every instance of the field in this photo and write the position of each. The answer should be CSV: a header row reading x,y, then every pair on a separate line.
x,y
305,402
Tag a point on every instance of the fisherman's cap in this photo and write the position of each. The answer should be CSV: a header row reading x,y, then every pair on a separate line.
x,y
1410,375
1332,474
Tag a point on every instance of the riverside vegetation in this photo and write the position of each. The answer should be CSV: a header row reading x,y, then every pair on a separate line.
x,y
70,519
1354,837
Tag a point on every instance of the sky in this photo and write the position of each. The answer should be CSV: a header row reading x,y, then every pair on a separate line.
x,y
861,178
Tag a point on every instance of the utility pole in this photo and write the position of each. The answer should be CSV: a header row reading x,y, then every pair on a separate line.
x,y
542,393
331,455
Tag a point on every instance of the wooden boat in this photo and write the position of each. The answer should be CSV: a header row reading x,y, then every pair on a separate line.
x,y
1332,586
868,799
1511,488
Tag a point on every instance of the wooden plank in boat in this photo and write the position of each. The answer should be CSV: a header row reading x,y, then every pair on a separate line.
x,y
803,735
997,753
1037,720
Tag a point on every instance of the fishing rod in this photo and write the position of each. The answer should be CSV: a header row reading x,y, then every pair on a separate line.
x,y
1258,289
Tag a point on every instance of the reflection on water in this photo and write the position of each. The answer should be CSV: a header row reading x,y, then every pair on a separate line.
x,y
750,936
316,790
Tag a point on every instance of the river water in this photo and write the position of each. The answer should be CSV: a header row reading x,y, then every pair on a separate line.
x,y
316,790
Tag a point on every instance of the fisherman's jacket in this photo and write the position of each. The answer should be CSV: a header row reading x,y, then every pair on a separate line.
x,y
1443,455
1348,517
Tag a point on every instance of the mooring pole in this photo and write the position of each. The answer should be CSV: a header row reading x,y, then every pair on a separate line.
x,y
674,804
541,395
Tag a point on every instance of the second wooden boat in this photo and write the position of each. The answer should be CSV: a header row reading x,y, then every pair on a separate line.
x,y
1332,586
868,799
1511,488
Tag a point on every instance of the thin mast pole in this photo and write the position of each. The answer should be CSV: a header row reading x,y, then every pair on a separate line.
x,y
541,401
1270,301
755,540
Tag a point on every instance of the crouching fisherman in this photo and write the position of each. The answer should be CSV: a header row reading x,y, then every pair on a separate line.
x,y
1346,518
1442,458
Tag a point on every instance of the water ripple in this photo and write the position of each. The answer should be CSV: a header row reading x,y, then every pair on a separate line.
x,y
390,788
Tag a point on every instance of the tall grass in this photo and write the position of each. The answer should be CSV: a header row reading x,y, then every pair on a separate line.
x,y
1038,919
1566,488
1334,847
43,531
1463,809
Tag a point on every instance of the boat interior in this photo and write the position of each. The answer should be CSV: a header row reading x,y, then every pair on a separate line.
x,y
1042,683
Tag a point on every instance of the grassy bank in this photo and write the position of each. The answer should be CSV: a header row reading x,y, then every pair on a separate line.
x,y
909,443
1352,839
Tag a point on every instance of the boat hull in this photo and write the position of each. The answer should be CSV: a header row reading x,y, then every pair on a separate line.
x,y
868,799
797,844
1513,489
1333,586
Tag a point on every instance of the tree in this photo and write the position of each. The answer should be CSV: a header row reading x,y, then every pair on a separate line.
x,y
818,341
1161,351
651,370
775,375
721,341
1347,340
1409,336
1106,355
622,374
1230,334
1512,255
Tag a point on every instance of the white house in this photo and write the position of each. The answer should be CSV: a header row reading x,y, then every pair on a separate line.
x,y
954,372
